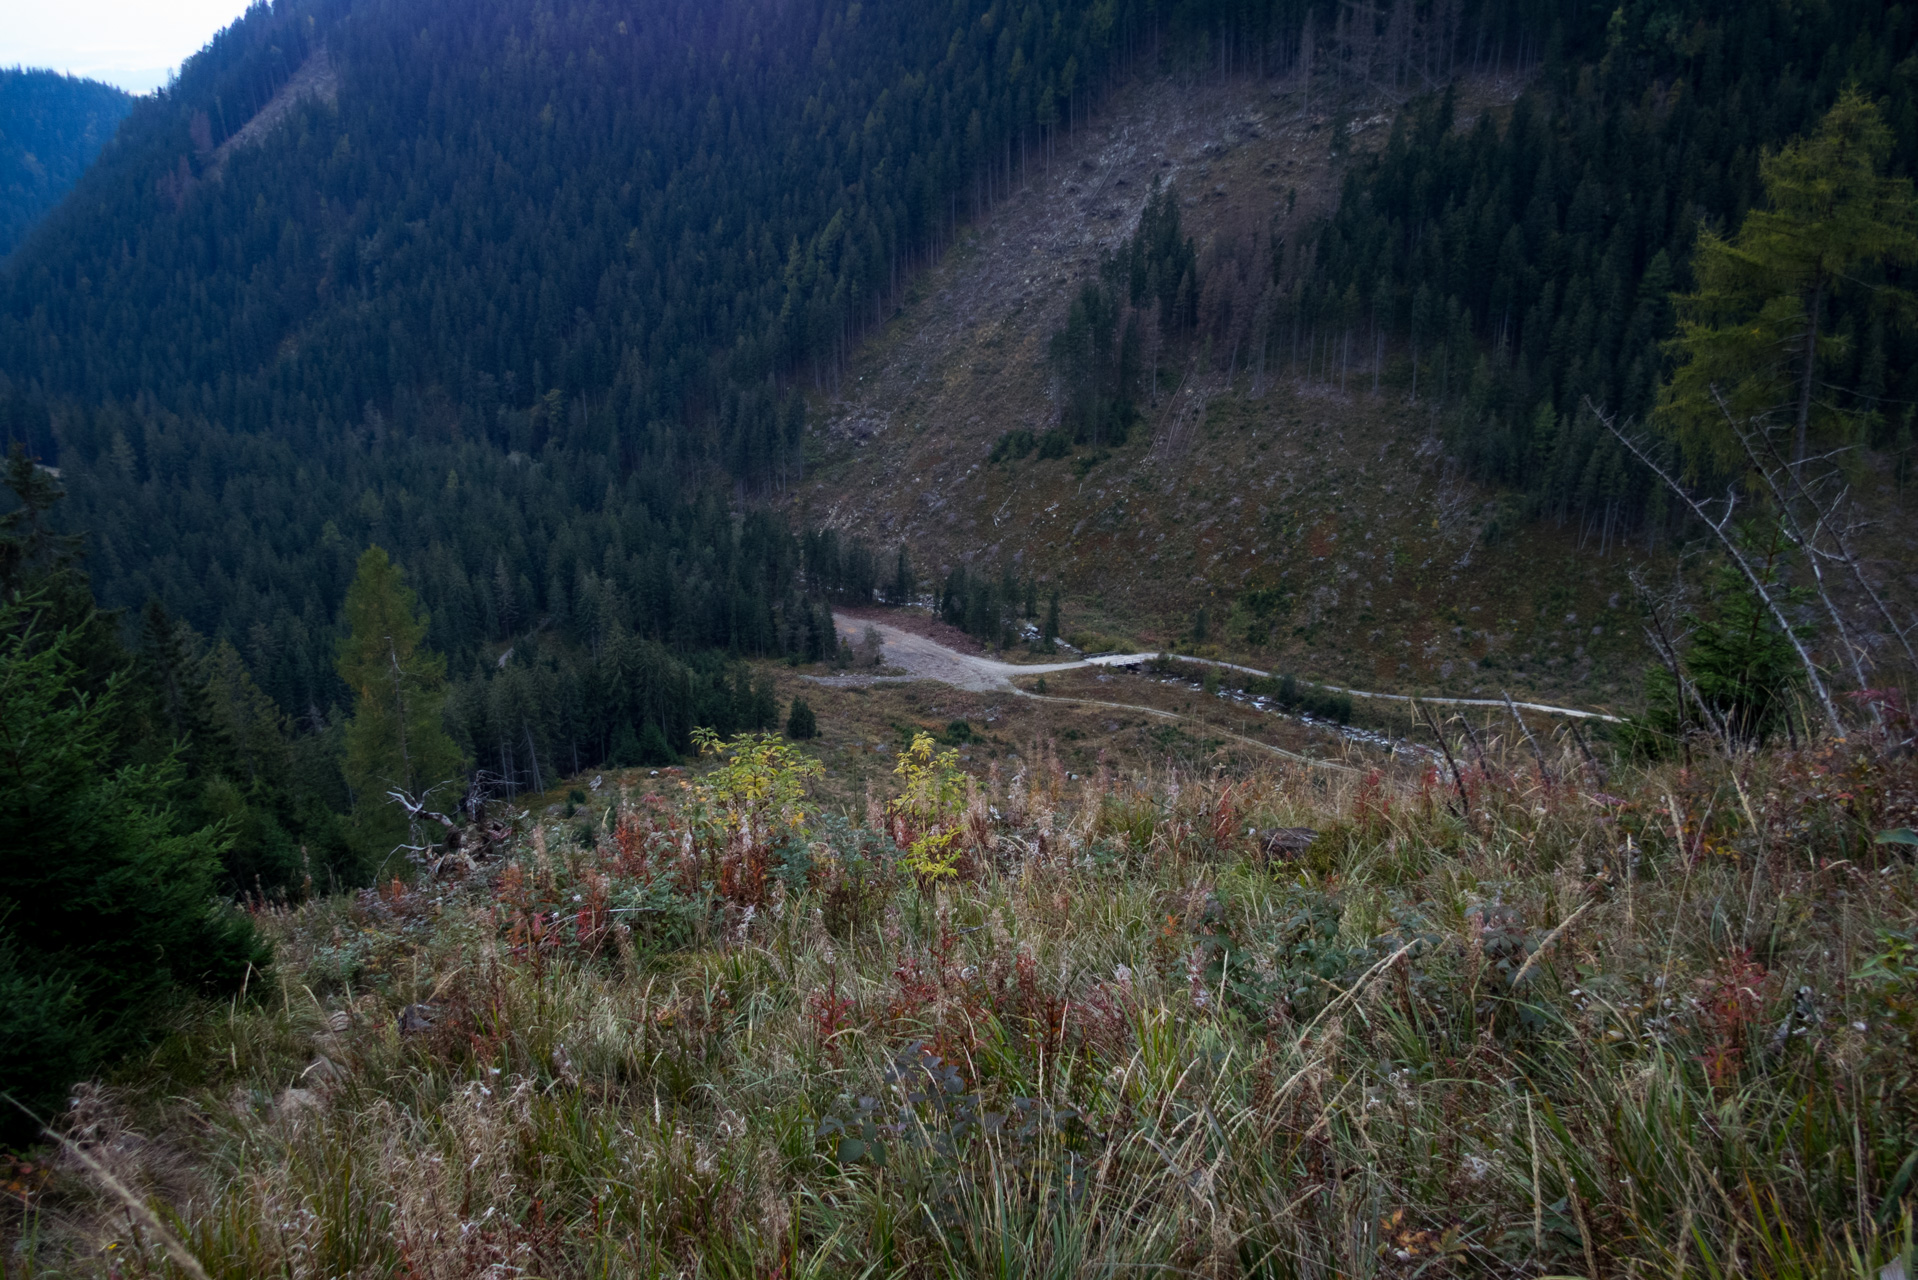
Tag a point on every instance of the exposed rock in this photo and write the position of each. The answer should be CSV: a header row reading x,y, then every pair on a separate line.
x,y
415,1018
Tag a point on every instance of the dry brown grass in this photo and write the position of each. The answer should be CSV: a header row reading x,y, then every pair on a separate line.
x,y
1659,1028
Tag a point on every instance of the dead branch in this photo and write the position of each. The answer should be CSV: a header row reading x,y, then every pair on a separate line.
x,y
1721,529
465,844
1538,754
1827,522
1465,803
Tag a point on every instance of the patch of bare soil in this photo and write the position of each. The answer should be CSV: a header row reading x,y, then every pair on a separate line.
x,y
916,621
315,78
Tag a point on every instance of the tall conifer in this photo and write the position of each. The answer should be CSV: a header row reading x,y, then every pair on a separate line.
x,y
1753,337
395,739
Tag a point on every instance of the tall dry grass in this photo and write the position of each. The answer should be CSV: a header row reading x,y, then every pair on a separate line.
x,y
1656,1024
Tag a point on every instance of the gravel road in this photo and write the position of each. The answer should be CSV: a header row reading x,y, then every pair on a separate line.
x,y
926,659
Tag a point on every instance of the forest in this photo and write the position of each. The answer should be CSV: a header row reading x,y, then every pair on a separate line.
x,y
51,127
505,275
1520,269
1515,269
509,312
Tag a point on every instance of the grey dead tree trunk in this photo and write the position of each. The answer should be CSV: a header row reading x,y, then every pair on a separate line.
x,y
1827,518
1722,530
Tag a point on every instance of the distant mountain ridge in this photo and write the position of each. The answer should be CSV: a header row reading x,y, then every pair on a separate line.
x,y
51,127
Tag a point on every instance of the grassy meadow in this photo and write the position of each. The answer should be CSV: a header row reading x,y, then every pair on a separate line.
x,y
1544,1018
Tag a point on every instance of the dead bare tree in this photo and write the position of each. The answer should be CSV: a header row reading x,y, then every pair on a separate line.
x,y
1810,513
1722,528
464,844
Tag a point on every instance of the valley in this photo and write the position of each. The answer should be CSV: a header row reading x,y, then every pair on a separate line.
x,y
905,657
758,639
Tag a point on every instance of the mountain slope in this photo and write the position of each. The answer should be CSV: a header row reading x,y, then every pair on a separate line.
x,y
1321,527
519,295
529,297
612,242
1366,456
601,239
51,127
654,208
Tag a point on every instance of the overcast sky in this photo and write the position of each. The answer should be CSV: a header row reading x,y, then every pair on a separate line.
x,y
131,43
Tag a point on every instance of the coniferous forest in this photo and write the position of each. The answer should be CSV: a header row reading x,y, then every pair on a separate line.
x,y
527,298
1526,269
51,127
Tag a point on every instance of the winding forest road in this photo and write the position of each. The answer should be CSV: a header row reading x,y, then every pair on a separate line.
x,y
924,658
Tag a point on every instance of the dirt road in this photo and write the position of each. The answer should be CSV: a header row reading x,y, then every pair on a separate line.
x,y
926,659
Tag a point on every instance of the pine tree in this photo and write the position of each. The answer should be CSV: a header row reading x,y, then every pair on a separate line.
x,y
802,723
170,684
1752,339
40,568
396,739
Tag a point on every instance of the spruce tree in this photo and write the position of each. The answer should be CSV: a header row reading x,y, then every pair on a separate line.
x,y
107,901
40,569
396,739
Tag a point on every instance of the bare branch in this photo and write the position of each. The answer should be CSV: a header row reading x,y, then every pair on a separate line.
x,y
1721,529
1538,753
1793,530
1465,803
1827,518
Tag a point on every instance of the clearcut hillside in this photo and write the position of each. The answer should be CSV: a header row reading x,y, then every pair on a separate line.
x,y
1318,518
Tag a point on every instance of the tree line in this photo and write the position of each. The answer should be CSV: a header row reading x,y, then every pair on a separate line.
x,y
1511,270
51,127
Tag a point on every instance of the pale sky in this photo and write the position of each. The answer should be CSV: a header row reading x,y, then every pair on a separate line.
x,y
132,43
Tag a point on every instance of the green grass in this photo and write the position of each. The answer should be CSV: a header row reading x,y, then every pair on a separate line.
x,y
1662,1028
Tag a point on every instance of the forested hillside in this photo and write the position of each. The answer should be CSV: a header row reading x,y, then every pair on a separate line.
x,y
1411,270
51,127
1527,268
537,301
504,292
501,281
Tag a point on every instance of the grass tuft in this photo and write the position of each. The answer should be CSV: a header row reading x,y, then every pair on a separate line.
x,y
1661,1028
